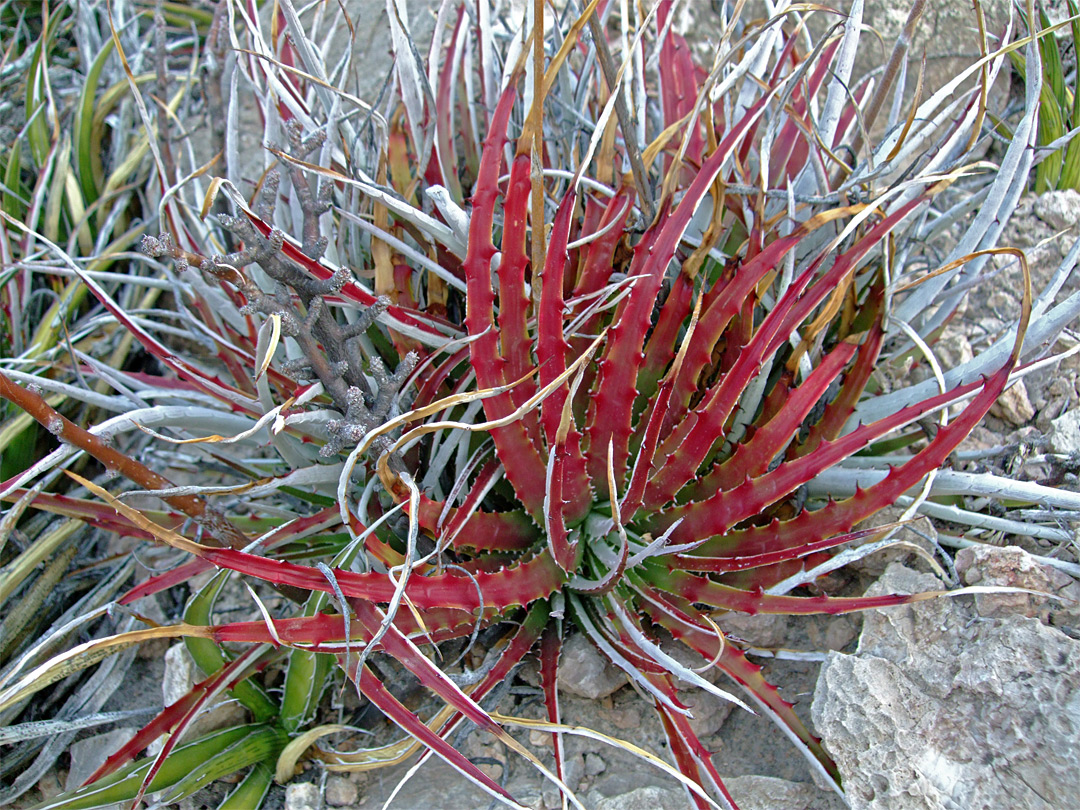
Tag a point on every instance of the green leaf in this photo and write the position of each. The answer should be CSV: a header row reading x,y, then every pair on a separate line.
x,y
1074,12
252,790
305,678
211,657
187,769
20,451
1070,171
183,15
1070,168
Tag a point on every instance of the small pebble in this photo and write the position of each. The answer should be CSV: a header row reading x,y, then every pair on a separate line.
x,y
594,765
340,791
302,796
840,632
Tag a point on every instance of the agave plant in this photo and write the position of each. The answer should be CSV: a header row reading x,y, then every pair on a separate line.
x,y
667,376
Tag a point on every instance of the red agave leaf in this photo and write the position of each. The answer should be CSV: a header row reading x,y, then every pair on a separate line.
x,y
840,409
520,584
175,718
689,444
520,457
509,656
724,510
374,690
574,497
598,262
753,456
679,618
550,649
481,531
513,299
691,756
699,589
615,391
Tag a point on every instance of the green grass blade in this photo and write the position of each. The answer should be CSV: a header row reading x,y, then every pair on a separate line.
x,y
1053,70
262,746
91,174
1074,12
37,94
1051,127
14,573
1070,169
55,198
14,201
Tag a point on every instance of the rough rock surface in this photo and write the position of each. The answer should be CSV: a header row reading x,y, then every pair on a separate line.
x,y
575,770
646,798
749,793
1065,433
766,793
302,796
1014,405
1012,566
1009,566
942,707
341,791
1045,227
760,630
583,672
1060,210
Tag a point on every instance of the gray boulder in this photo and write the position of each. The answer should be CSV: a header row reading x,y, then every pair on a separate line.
x,y
946,707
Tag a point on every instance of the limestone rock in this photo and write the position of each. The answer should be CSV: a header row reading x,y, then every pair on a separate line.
x,y
1011,567
759,630
594,764
341,791
302,796
179,674
953,349
585,673
709,711
942,708
488,754
1058,209
575,770
768,793
840,632
1014,406
1065,433
646,798
749,793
